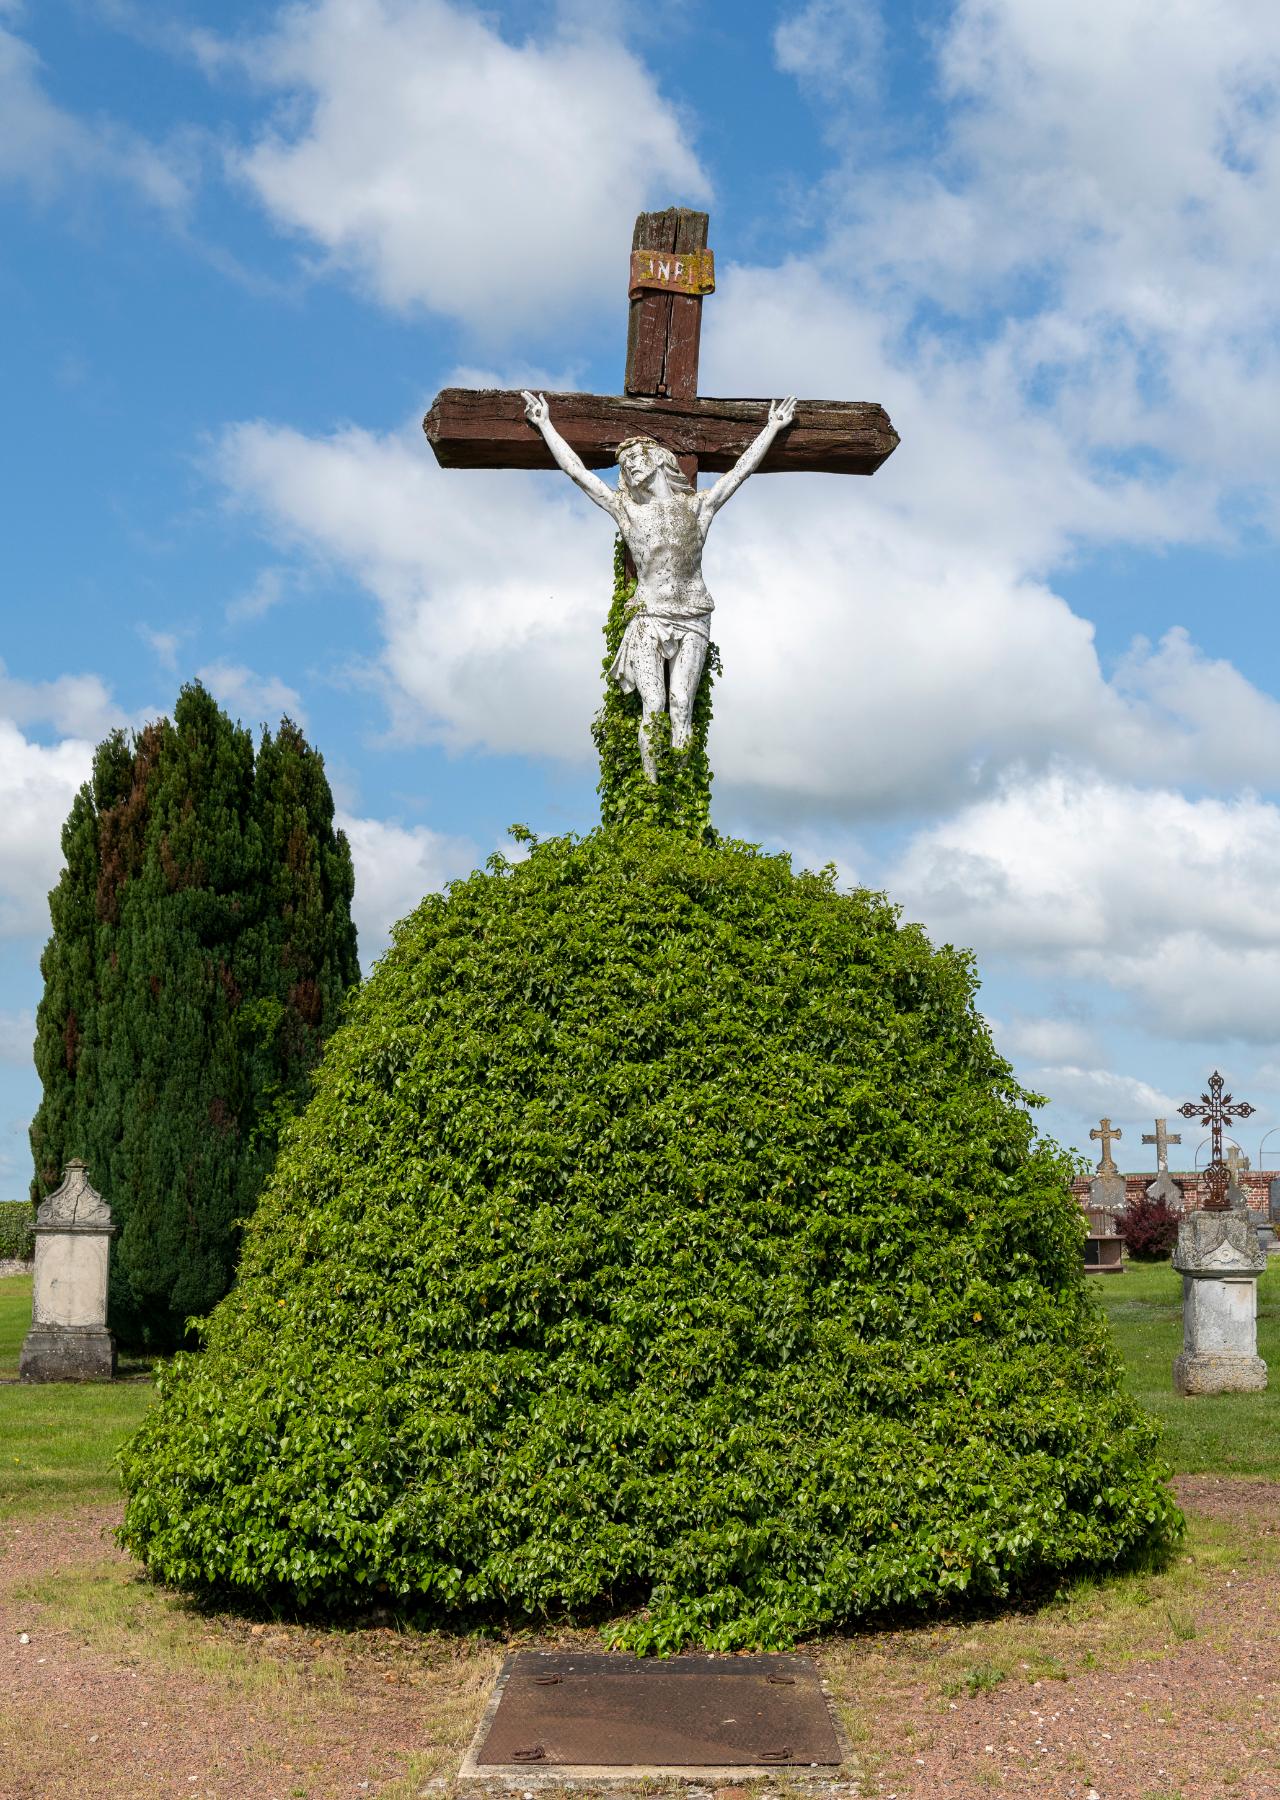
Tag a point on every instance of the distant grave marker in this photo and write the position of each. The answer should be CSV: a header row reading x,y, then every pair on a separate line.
x,y
1103,1250
1164,1187
68,1339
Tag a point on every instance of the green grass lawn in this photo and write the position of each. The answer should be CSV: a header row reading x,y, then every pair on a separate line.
x,y
1230,1434
57,1441
15,1317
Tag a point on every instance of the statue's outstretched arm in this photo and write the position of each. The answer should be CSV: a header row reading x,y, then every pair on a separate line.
x,y
781,413
538,413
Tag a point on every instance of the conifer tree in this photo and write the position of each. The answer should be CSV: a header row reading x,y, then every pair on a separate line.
x,y
202,944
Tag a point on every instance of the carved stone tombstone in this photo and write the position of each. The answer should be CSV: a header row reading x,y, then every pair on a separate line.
x,y
1219,1259
1268,1229
1103,1249
68,1339
1237,1194
1164,1187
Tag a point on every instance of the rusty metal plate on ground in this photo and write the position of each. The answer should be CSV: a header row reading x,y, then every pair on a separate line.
x,y
688,1710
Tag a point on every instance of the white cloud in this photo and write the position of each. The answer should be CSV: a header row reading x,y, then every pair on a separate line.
x,y
1046,1040
1103,1093
445,166
1168,900
492,587
396,865
17,1035
1105,180
37,786
76,705
833,45
49,149
264,593
163,645
255,699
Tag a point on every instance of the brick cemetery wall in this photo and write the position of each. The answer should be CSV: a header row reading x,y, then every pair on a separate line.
x,y
1256,1184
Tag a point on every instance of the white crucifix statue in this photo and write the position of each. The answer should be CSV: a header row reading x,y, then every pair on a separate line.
x,y
664,523
660,431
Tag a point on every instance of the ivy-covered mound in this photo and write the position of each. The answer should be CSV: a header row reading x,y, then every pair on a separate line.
x,y
665,1236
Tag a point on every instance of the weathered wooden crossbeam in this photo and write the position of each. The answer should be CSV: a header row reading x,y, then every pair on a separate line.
x,y
485,428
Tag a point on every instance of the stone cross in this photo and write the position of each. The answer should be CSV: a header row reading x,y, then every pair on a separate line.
x,y
671,271
1107,1134
1214,1108
1237,1163
1162,1137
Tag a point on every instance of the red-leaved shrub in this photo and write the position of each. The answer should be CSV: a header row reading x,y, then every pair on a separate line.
x,y
1149,1230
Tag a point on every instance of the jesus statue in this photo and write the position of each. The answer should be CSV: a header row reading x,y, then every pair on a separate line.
x,y
664,523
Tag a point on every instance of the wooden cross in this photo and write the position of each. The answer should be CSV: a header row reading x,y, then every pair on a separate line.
x,y
1214,1108
1162,1137
1104,1131
671,270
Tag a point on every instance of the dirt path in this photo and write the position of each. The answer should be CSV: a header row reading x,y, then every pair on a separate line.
x,y
123,1694
119,1695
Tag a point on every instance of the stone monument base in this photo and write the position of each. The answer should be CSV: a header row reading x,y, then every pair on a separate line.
x,y
1213,1372
67,1353
1219,1259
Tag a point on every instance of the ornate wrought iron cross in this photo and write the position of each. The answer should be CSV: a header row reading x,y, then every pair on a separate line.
x,y
1214,1108
1107,1133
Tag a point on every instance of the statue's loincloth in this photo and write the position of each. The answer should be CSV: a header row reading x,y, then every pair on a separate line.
x,y
649,634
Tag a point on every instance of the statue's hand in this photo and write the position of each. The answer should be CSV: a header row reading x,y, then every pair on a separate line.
x,y
781,412
536,409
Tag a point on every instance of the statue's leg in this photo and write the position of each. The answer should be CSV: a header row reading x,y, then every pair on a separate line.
x,y
686,673
648,671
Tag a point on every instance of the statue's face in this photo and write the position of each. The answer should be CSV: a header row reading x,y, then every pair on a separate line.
x,y
639,463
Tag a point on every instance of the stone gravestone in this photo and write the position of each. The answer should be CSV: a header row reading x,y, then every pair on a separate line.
x,y
1219,1259
1104,1252
1164,1187
1237,1195
1269,1228
68,1339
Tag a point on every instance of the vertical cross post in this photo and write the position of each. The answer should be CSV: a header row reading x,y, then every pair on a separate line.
x,y
664,330
1214,1109
1107,1134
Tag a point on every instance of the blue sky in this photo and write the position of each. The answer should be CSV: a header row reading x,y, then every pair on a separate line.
x,y
1025,679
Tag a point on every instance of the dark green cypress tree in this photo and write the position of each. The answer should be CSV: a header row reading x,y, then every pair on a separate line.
x,y
202,943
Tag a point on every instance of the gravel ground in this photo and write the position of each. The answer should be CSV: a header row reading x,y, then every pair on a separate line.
x,y
1199,1722
129,1699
